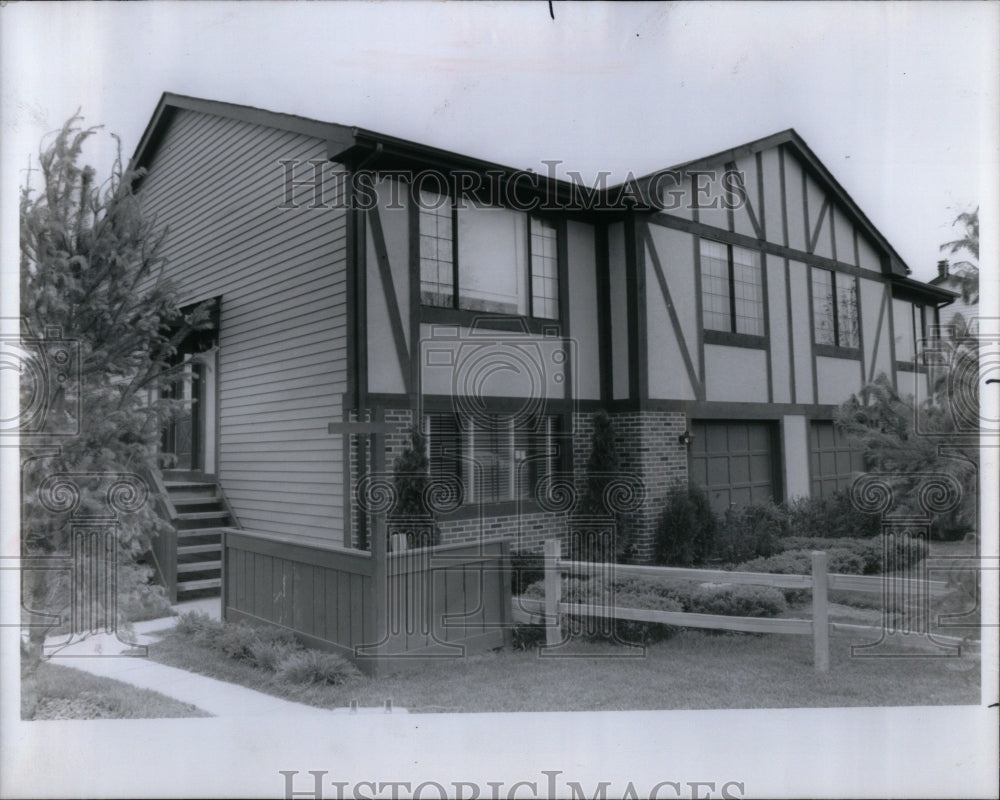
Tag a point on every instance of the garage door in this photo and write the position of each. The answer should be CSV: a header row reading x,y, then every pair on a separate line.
x,y
832,461
734,462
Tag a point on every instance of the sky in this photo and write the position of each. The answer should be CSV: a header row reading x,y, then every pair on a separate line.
x,y
899,100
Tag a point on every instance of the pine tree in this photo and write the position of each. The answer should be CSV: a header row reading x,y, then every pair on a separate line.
x,y
91,276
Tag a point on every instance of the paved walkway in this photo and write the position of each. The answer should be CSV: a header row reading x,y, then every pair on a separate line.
x,y
105,655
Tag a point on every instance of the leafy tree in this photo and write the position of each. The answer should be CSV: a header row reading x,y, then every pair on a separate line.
x,y
968,242
908,440
91,269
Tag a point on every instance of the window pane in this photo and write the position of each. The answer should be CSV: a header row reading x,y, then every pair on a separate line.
x,y
847,311
544,262
715,286
492,256
436,262
823,307
748,291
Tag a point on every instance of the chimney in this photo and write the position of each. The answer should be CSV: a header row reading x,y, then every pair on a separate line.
x,y
943,268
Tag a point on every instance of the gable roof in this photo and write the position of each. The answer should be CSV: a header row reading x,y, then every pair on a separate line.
x,y
354,145
792,141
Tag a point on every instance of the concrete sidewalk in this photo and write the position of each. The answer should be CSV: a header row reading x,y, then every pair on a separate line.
x,y
107,656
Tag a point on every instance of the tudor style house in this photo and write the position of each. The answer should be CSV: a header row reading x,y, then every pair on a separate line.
x,y
718,310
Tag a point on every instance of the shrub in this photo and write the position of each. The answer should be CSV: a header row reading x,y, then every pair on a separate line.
x,y
831,517
268,655
527,637
236,641
525,569
686,528
750,532
736,600
314,666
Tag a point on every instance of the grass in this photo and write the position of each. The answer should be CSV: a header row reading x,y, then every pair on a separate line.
x,y
52,691
694,670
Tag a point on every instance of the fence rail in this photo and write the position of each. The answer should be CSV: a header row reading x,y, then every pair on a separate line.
x,y
820,582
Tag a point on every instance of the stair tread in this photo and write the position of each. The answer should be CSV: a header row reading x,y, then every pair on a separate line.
x,y
192,532
198,566
204,583
191,549
192,515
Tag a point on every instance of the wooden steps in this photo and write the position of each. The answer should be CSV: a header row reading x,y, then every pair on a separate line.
x,y
200,512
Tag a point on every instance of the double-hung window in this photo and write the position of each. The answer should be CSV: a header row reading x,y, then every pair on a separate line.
x,y
494,458
835,309
487,258
910,321
732,289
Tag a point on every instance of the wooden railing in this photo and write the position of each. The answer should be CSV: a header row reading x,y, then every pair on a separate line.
x,y
819,583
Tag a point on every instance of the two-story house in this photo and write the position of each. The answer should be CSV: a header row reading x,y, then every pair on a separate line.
x,y
718,310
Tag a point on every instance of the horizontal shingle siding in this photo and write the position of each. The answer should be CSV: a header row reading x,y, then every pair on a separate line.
x,y
216,185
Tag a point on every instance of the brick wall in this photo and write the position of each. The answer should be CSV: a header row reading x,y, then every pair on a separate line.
x,y
648,448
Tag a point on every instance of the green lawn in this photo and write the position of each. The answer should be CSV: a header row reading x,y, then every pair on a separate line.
x,y
694,670
53,691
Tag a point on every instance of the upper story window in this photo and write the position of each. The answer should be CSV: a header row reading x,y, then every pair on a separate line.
x,y
835,309
910,325
732,292
502,261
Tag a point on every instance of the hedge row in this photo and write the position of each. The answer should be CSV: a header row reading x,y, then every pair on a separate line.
x,y
662,595
689,532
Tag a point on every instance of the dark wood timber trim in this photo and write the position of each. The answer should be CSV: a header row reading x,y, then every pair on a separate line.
x,y
562,286
771,248
697,409
767,324
413,227
814,238
745,197
762,231
812,335
878,336
699,316
791,336
892,336
604,312
784,196
635,315
729,339
833,351
647,241
463,318
861,329
389,292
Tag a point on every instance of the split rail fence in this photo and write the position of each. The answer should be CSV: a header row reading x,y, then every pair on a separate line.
x,y
895,589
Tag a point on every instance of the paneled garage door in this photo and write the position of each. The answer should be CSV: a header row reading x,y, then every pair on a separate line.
x,y
832,462
734,462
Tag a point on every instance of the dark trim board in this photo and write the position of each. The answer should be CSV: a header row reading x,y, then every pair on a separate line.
x,y
730,339
463,318
790,337
771,248
603,267
832,351
722,410
696,385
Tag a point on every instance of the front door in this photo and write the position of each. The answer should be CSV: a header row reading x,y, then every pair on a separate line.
x,y
189,440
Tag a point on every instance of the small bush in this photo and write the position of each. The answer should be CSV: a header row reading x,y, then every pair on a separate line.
x,y
525,569
750,532
314,666
236,641
686,528
527,637
736,600
831,517
268,655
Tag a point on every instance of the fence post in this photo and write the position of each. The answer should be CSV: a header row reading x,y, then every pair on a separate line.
x,y
553,584
821,613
